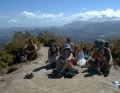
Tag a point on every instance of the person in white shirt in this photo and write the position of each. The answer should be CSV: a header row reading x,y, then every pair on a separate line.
x,y
79,56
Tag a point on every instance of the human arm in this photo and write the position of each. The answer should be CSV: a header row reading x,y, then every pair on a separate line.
x,y
69,58
35,48
110,56
49,53
24,48
55,54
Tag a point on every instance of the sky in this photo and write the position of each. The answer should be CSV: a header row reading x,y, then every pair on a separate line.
x,y
40,13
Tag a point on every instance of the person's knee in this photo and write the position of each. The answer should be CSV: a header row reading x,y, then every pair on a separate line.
x,y
67,61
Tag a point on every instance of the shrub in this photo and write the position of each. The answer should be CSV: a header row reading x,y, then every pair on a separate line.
x,y
6,59
87,47
45,37
115,48
19,41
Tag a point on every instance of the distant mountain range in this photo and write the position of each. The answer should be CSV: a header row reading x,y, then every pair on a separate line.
x,y
78,30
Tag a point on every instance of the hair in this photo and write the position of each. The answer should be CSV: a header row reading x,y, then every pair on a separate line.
x,y
68,39
30,40
76,47
53,40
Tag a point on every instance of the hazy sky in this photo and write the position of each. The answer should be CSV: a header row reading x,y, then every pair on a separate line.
x,y
34,13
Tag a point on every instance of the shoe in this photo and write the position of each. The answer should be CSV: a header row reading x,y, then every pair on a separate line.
x,y
59,75
99,72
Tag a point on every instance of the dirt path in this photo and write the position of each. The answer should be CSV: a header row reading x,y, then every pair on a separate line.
x,y
81,83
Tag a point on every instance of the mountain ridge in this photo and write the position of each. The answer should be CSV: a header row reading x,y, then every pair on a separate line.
x,y
77,30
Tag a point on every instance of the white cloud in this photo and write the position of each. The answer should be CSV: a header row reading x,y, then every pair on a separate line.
x,y
60,15
26,14
47,19
94,15
102,15
12,21
38,15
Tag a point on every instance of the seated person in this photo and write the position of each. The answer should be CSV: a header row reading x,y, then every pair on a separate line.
x,y
79,56
53,52
106,57
30,51
101,59
65,59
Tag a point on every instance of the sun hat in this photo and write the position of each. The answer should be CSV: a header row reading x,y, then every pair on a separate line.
x,y
67,46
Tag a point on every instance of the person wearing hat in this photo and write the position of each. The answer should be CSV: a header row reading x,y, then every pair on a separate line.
x,y
63,62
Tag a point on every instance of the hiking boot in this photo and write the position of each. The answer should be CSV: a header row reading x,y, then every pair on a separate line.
x,y
69,74
76,71
55,71
59,75
99,72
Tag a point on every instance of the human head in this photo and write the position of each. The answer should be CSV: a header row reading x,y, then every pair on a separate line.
x,y
76,48
52,42
30,41
82,41
101,44
68,40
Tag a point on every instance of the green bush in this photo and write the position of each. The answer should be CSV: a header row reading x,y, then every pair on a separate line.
x,y
87,47
23,37
115,48
6,59
45,37
12,51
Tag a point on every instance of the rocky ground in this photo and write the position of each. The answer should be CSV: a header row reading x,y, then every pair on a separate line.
x,y
84,82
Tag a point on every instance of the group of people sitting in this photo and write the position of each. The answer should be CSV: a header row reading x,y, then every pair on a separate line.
x,y
70,55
